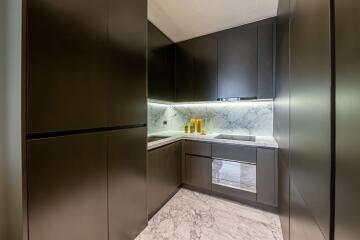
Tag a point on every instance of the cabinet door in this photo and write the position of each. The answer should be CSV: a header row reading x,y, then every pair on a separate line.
x,y
161,58
127,91
127,183
198,172
67,188
173,168
66,76
205,68
238,62
266,52
184,83
267,176
155,181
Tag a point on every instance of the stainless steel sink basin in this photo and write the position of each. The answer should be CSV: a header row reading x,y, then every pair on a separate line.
x,y
236,137
156,138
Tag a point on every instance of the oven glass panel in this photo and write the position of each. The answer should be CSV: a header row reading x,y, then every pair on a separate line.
x,y
234,174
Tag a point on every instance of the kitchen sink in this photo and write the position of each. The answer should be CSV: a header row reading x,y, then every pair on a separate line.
x,y
236,137
156,138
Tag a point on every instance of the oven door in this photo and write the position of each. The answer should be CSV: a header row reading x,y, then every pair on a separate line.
x,y
234,178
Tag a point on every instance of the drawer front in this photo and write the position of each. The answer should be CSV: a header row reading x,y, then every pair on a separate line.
x,y
198,148
234,152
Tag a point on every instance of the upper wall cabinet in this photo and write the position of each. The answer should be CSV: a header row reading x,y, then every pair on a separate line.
x,y
84,63
238,62
161,57
196,69
266,56
246,61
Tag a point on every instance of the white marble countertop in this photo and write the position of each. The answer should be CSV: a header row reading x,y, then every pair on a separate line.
x,y
261,141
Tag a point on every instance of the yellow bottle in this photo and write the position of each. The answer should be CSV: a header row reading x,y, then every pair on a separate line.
x,y
199,125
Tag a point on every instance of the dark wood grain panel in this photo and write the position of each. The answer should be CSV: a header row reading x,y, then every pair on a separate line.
x,y
238,62
66,78
127,189
161,64
67,188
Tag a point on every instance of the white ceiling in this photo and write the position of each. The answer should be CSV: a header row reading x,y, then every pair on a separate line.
x,y
185,19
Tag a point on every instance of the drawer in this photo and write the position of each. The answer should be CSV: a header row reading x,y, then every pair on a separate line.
x,y
197,148
234,152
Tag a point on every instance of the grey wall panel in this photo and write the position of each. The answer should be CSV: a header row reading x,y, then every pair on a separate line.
x,y
11,206
310,110
302,224
347,210
282,111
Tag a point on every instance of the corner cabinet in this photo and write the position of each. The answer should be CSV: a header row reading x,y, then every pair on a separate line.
x,y
161,58
163,176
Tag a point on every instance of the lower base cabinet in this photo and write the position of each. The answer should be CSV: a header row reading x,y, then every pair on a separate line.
x,y
67,187
88,186
164,175
234,171
127,183
198,172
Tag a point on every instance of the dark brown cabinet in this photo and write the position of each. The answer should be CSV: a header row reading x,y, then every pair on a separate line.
x,y
127,186
205,68
127,91
161,60
88,186
164,175
196,69
238,62
67,187
184,84
198,172
83,63
266,56
266,177
66,78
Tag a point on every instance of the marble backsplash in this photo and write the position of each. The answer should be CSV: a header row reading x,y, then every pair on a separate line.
x,y
245,118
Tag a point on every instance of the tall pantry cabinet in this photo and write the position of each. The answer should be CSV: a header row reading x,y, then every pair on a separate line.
x,y
85,105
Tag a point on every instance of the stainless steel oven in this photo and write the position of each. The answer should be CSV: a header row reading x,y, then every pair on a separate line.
x,y
234,174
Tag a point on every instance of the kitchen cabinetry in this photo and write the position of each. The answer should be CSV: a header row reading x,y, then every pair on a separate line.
x,y
246,61
164,175
161,60
88,186
127,186
238,62
66,80
266,59
83,63
231,170
198,172
67,187
196,69
266,182
126,58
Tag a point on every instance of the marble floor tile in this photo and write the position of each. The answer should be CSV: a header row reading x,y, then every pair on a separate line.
x,y
193,216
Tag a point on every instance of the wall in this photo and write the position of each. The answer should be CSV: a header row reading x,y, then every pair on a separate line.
x,y
282,113
10,121
246,118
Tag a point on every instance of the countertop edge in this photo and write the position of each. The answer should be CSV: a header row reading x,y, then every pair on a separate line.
x,y
156,144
